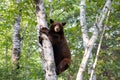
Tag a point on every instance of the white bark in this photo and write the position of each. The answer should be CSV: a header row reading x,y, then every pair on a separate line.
x,y
85,31
92,72
51,9
83,23
98,50
47,50
86,55
105,9
92,40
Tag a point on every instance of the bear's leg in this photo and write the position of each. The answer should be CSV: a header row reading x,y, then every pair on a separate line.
x,y
64,64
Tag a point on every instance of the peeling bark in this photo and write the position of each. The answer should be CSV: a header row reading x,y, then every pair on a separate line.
x,y
47,50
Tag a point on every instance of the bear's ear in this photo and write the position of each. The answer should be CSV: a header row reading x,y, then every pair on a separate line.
x,y
51,21
64,23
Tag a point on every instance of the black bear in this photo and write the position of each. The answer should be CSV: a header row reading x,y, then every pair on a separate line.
x,y
61,50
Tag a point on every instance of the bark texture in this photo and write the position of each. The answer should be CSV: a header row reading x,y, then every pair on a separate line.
x,y
47,50
16,44
89,45
84,30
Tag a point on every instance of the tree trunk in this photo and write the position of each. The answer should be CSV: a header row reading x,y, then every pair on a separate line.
x,y
16,44
47,50
89,46
51,8
84,30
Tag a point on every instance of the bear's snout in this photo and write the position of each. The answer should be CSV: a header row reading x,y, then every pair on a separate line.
x,y
57,29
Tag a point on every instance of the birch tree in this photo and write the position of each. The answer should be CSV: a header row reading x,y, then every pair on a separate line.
x,y
88,43
85,32
47,50
16,42
98,49
51,9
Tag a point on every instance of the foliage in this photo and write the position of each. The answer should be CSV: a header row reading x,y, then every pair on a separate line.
x,y
66,11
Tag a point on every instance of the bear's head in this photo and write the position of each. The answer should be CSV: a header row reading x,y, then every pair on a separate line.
x,y
56,26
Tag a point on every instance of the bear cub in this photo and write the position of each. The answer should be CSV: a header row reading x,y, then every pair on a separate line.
x,y
61,50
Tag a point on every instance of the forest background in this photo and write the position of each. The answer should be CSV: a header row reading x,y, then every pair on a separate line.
x,y
108,66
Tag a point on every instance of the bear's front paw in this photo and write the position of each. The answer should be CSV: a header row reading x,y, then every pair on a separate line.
x,y
44,30
58,71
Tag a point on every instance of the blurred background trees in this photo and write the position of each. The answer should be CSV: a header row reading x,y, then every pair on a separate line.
x,y
108,67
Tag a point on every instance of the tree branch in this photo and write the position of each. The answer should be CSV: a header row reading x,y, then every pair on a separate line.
x,y
98,50
85,31
51,8
92,40
83,22
105,9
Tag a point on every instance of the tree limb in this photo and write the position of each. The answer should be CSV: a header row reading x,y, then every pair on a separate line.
x,y
92,40
83,22
98,50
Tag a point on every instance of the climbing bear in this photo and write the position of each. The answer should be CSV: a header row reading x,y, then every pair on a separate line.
x,y
61,50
